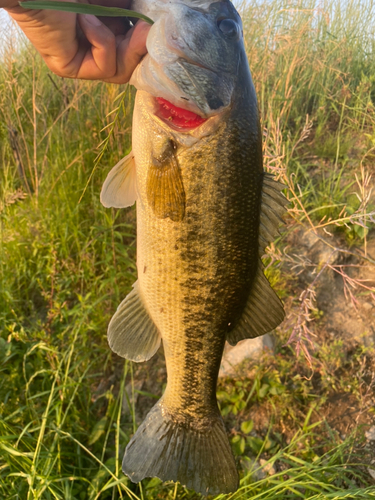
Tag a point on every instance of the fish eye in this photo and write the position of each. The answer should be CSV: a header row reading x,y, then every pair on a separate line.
x,y
229,28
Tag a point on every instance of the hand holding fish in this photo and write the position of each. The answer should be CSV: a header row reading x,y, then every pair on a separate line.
x,y
82,46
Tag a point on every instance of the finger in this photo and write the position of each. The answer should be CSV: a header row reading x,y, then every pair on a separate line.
x,y
130,51
97,61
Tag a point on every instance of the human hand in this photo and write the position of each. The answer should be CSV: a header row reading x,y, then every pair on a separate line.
x,y
81,45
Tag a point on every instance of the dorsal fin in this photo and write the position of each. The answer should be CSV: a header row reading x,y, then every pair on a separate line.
x,y
120,187
264,310
272,208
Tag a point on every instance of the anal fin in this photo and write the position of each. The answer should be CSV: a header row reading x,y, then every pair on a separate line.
x,y
132,333
264,310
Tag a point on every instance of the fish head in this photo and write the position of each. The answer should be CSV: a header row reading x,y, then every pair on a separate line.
x,y
195,51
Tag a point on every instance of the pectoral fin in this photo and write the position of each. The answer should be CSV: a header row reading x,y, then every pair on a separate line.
x,y
120,187
132,333
165,189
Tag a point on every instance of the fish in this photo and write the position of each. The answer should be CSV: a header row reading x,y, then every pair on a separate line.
x,y
206,210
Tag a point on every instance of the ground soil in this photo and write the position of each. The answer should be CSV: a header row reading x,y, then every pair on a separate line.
x,y
344,312
348,311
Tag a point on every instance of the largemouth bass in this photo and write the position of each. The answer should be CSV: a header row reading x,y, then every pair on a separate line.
x,y
205,212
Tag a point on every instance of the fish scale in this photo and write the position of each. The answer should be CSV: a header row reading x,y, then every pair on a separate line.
x,y
205,211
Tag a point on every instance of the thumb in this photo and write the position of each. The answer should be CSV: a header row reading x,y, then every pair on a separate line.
x,y
130,51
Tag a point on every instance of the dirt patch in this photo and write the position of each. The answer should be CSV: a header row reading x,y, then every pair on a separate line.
x,y
344,303
343,413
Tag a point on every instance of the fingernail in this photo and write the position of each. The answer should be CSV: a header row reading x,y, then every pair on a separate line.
x,y
93,20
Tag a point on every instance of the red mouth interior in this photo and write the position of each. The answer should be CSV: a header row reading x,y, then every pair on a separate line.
x,y
179,117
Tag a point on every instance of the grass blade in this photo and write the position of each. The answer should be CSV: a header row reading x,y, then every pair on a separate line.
x,y
80,8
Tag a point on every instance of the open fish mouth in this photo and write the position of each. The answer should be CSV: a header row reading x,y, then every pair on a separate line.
x,y
176,117
194,70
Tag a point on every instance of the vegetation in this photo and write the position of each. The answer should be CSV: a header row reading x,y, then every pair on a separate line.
x,y
67,404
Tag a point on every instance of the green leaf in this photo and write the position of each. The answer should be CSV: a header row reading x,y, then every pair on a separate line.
x,y
3,346
247,426
238,444
148,394
360,231
98,430
277,389
263,391
225,410
153,483
255,444
81,8
268,444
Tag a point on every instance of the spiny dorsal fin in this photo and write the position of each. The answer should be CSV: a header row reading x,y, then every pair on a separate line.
x,y
165,188
131,333
120,187
264,310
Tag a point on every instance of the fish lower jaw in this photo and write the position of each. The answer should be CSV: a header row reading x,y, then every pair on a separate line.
x,y
187,135
177,118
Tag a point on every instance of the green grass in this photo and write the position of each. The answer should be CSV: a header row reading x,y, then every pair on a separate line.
x,y
312,64
66,262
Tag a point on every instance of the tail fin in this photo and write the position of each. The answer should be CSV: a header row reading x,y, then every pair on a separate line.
x,y
200,460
